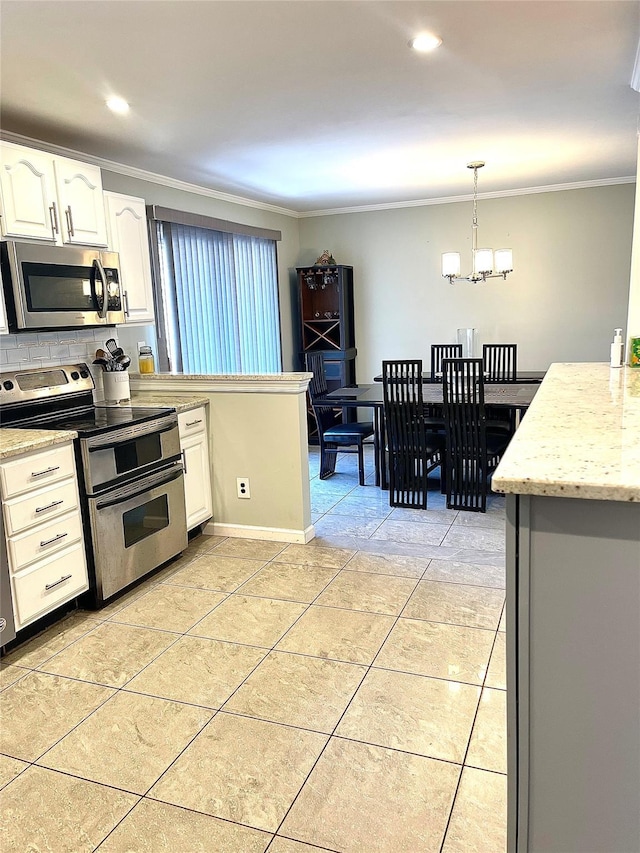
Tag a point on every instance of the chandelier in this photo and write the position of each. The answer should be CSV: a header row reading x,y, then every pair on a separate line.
x,y
485,261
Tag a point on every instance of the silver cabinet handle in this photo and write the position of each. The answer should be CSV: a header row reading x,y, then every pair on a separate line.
x,y
57,583
184,460
193,423
69,216
55,539
125,301
48,506
53,215
46,471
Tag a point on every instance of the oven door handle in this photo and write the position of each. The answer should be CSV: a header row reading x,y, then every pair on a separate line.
x,y
111,444
137,489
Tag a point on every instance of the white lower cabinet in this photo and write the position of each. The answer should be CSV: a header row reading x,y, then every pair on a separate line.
x,y
194,444
43,528
47,584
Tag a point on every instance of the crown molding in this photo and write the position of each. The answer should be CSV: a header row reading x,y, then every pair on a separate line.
x,y
635,74
197,189
144,175
453,199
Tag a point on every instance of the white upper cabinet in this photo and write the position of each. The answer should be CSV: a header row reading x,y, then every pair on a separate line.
x,y
28,190
127,231
81,204
50,198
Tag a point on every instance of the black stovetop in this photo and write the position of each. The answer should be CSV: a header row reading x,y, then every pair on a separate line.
x,y
61,397
87,421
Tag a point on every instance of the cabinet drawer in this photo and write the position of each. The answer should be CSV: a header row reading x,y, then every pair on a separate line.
x,y
49,583
37,469
192,422
41,506
44,540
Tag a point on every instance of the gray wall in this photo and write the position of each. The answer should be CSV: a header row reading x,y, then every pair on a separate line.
x,y
288,247
570,287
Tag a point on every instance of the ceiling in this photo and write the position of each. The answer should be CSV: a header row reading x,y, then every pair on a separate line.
x,y
320,104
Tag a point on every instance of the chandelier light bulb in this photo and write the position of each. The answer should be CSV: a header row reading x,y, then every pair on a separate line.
x,y
451,264
503,261
483,261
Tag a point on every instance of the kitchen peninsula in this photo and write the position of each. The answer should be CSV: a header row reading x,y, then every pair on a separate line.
x,y
572,479
257,431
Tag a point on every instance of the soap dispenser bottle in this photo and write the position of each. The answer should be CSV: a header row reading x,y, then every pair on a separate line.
x,y
617,348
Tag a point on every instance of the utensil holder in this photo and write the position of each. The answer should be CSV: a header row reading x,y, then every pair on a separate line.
x,y
115,385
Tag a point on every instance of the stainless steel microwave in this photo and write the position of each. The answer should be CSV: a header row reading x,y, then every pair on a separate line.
x,y
53,287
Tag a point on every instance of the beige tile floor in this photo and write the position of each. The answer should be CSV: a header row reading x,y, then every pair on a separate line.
x,y
347,695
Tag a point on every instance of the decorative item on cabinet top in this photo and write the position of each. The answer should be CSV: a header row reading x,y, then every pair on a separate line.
x,y
325,259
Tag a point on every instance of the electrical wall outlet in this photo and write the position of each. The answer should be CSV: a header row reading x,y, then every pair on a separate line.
x,y
242,484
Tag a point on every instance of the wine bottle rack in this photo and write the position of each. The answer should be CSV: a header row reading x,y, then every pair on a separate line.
x,y
327,325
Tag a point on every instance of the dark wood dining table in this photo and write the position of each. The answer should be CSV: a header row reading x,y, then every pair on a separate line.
x,y
523,377
513,396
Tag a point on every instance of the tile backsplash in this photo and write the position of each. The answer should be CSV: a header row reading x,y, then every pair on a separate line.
x,y
28,350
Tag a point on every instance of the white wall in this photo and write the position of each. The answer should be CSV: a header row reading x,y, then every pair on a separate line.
x,y
569,289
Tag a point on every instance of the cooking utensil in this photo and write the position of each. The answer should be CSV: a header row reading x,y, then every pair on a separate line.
x,y
113,348
103,362
123,361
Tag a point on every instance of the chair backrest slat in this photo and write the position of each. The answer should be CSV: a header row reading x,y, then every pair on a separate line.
x,y
440,351
500,362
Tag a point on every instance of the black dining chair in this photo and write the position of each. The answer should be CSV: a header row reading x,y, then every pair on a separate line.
x,y
473,450
500,362
440,351
334,437
414,450
500,365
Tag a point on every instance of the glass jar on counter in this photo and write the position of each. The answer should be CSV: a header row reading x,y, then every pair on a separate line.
x,y
146,361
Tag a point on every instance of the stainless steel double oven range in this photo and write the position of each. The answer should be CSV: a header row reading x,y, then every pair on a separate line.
x,y
130,472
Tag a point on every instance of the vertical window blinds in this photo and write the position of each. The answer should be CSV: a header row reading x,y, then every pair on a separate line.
x,y
220,300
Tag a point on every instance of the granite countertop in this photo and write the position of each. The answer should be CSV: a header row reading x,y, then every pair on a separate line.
x,y
149,400
16,441
232,377
580,437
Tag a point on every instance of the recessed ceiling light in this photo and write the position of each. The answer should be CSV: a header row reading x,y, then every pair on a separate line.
x,y
118,105
425,42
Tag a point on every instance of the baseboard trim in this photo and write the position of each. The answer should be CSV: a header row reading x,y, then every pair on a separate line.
x,y
270,534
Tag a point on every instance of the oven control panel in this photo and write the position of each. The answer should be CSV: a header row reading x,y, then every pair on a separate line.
x,y
24,386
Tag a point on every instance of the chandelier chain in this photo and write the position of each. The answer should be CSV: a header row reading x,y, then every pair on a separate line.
x,y
474,233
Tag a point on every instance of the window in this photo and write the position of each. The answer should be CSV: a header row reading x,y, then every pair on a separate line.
x,y
218,296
